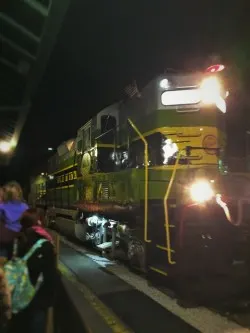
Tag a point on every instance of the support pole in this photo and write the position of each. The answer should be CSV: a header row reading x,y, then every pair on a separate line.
x,y
105,229
41,9
19,27
57,245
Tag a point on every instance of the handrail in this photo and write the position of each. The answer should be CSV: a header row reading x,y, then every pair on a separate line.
x,y
238,221
168,242
146,179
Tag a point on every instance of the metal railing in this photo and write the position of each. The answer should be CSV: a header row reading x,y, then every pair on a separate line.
x,y
165,203
146,179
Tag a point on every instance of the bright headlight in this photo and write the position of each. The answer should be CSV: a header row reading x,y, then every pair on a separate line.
x,y
164,84
5,147
201,191
210,90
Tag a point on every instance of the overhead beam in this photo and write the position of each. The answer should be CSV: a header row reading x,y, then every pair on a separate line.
x,y
15,132
18,108
17,68
9,64
38,7
17,48
52,26
19,27
7,134
20,124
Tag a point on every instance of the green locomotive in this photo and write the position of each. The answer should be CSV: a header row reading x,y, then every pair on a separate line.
x,y
146,178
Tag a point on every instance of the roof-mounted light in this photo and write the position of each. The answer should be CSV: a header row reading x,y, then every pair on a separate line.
x,y
215,68
164,84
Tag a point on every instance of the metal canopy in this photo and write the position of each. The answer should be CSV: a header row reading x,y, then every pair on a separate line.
x,y
27,35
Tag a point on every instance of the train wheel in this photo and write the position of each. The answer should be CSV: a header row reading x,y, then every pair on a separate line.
x,y
98,239
136,255
80,230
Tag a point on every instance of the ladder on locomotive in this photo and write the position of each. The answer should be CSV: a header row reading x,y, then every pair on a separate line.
x,y
167,225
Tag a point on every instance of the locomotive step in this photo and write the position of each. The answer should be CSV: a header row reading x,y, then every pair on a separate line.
x,y
106,245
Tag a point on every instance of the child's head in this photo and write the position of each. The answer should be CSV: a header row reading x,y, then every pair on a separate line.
x,y
32,217
12,191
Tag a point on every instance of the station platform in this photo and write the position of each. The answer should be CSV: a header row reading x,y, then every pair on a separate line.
x,y
120,307
73,312
109,298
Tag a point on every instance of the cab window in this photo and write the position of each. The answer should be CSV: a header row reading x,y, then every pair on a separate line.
x,y
108,126
79,146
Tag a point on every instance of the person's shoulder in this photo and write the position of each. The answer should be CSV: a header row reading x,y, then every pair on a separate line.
x,y
46,249
2,208
15,203
31,235
24,205
47,246
46,242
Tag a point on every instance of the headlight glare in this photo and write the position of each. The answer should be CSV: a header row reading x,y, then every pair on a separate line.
x,y
201,191
210,90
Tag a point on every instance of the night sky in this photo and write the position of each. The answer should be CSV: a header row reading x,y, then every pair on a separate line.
x,y
104,45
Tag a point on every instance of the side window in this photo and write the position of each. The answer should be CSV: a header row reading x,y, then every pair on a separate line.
x,y
79,146
136,154
108,126
56,161
87,138
155,149
156,157
119,158
105,162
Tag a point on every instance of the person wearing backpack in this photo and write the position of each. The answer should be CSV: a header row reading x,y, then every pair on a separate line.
x,y
35,268
11,209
